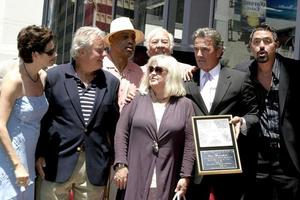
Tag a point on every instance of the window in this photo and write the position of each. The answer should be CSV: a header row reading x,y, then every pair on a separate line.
x,y
235,19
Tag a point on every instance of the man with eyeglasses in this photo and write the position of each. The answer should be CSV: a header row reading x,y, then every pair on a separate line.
x,y
275,79
219,90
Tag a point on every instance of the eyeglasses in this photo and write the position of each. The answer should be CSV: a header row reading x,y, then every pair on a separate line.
x,y
50,52
158,70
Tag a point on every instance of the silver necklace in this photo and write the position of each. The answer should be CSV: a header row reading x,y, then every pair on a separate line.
x,y
37,78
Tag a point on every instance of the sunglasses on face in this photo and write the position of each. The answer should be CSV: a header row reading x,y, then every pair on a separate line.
x,y
158,70
50,52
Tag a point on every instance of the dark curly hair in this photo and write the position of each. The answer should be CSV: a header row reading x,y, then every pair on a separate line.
x,y
33,39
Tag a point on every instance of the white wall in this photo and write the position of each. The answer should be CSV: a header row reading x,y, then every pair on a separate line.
x,y
14,15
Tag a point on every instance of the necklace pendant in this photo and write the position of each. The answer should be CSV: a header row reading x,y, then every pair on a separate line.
x,y
155,147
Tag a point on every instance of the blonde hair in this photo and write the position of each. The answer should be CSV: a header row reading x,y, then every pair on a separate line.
x,y
84,38
174,83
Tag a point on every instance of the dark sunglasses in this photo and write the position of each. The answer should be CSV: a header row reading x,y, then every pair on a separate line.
x,y
157,69
50,52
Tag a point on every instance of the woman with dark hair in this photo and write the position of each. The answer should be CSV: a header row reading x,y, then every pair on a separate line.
x,y
23,105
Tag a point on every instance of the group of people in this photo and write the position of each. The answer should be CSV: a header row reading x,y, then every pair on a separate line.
x,y
72,122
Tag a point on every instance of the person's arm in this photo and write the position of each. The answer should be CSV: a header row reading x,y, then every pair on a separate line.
x,y
113,115
189,146
187,71
11,90
121,144
131,92
45,124
188,152
249,104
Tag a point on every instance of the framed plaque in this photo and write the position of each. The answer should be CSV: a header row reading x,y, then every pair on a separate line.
x,y
216,147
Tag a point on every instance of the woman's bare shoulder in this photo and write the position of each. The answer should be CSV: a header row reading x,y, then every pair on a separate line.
x,y
12,83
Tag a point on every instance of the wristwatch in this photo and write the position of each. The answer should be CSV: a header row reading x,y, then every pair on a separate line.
x,y
119,166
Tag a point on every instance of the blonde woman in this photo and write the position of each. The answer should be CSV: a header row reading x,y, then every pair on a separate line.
x,y
154,149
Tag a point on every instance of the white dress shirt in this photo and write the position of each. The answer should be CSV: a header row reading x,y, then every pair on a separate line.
x,y
208,87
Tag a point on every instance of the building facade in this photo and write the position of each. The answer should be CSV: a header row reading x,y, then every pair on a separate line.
x,y
232,18
14,15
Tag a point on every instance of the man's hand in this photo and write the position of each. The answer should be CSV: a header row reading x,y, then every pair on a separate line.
x,y
237,123
130,96
187,74
39,165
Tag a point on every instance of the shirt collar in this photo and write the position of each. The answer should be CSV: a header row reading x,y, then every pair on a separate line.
x,y
213,72
72,73
276,71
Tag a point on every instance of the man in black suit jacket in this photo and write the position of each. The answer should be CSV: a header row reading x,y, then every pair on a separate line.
x,y
227,91
75,146
276,81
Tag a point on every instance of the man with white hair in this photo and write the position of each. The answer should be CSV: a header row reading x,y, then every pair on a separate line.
x,y
160,41
75,146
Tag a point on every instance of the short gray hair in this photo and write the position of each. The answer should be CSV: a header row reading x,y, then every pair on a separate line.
x,y
153,32
211,33
83,38
174,83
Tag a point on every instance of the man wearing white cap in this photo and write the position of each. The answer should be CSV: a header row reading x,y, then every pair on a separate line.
x,y
121,41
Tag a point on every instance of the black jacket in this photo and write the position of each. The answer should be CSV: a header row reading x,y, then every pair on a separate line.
x,y
63,129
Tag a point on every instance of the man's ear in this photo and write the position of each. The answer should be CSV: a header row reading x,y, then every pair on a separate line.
x,y
82,51
277,44
220,52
